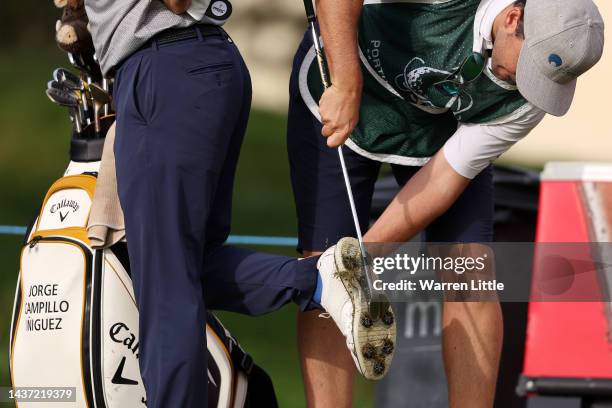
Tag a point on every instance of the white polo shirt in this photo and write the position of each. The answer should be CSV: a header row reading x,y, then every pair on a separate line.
x,y
474,146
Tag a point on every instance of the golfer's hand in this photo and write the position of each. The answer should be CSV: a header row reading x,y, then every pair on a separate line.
x,y
178,6
339,113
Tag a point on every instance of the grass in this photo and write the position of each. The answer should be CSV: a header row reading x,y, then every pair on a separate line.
x,y
34,152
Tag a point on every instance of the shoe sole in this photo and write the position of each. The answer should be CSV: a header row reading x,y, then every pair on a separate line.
x,y
374,346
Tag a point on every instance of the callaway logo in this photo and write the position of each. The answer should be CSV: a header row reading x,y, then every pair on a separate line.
x,y
64,203
120,333
118,378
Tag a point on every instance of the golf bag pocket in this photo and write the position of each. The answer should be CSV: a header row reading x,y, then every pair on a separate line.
x,y
49,337
50,332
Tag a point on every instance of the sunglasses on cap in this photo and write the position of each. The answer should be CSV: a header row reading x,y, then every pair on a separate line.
x,y
469,70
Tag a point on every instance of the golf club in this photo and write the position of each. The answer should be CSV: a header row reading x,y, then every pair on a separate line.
x,y
68,85
86,64
53,84
84,81
99,98
64,76
90,72
74,83
107,86
94,72
325,79
66,99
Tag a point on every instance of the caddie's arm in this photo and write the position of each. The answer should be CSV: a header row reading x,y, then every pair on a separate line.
x,y
178,6
339,105
436,186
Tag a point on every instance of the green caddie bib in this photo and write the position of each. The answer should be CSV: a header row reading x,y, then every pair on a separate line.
x,y
407,46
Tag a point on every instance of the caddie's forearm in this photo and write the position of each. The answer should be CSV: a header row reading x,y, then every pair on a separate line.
x,y
178,6
338,23
426,196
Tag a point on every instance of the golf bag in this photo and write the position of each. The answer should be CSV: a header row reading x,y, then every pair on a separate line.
x,y
75,318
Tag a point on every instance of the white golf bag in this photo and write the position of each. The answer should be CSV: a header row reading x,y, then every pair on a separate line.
x,y
75,319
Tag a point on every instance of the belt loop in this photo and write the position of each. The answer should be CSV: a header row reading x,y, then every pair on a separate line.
x,y
154,44
199,33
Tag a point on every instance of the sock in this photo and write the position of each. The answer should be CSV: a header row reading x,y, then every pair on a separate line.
x,y
318,289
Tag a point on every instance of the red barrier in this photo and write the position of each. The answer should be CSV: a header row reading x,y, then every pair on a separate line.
x,y
568,349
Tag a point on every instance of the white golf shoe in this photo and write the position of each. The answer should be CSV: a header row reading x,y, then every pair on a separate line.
x,y
370,339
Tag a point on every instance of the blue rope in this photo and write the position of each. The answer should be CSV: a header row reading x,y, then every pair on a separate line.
x,y
259,240
12,230
233,239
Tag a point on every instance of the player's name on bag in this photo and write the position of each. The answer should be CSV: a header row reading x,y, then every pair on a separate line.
x,y
43,290
45,324
47,306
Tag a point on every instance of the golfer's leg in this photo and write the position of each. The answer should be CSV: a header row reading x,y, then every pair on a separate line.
x,y
472,332
219,223
323,218
241,280
172,133
255,283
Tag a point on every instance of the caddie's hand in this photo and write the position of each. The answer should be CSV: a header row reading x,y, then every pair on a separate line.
x,y
339,108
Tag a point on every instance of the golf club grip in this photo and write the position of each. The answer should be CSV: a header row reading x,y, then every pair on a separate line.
x,y
312,21
325,79
310,12
323,68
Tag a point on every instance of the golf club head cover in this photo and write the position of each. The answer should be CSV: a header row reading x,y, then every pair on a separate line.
x,y
71,30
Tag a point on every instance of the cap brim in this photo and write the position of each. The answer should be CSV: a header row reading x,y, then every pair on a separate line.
x,y
548,95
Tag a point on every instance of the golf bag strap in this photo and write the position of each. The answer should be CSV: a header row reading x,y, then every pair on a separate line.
x,y
240,358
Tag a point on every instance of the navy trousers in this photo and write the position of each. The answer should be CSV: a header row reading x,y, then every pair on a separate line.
x,y
182,110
